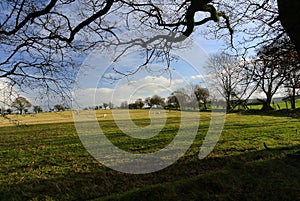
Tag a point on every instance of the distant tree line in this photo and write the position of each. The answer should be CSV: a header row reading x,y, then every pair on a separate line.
x,y
22,106
192,97
104,106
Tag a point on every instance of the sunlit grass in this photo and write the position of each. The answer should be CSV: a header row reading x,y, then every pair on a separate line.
x,y
277,106
43,159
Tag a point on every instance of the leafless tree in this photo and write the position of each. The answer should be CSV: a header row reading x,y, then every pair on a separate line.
x,y
257,23
229,78
293,87
184,98
273,67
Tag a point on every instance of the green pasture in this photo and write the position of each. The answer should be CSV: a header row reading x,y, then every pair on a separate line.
x,y
277,105
256,158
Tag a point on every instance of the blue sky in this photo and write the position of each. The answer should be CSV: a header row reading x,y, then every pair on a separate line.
x,y
188,69
93,89
96,89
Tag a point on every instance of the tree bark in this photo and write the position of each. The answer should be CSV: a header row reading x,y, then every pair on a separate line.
x,y
267,103
289,15
293,98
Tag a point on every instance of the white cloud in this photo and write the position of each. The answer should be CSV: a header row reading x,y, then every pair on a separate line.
x,y
127,90
104,90
196,77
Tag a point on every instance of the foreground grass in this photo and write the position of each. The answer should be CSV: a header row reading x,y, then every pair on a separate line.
x,y
262,180
48,162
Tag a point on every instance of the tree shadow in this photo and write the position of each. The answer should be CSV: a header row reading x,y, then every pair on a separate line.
x,y
277,113
211,176
269,179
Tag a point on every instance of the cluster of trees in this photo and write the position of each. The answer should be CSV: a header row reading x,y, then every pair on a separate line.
x,y
104,106
195,97
192,97
5,111
149,102
59,108
22,105
275,66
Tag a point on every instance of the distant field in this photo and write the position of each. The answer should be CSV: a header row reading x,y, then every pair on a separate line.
x,y
282,105
43,159
41,118
66,116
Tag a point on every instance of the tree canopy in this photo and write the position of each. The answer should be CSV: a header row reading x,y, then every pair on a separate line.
x,y
21,104
42,42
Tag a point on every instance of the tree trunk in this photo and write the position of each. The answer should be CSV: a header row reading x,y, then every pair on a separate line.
x,y
228,106
228,101
267,104
289,15
293,98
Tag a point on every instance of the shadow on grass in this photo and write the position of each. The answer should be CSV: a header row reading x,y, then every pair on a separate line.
x,y
277,113
254,175
263,180
269,177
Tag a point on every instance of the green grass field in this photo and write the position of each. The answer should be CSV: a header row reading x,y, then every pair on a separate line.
x,y
43,159
277,106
